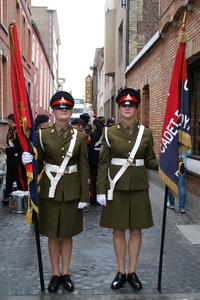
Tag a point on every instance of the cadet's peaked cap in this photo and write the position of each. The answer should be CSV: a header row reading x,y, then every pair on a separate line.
x,y
99,122
85,116
10,116
127,96
110,121
75,121
62,99
41,118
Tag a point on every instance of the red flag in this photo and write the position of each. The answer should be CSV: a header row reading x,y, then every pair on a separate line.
x,y
22,110
176,126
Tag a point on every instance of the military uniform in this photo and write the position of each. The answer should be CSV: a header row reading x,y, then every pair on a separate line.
x,y
122,185
130,207
64,189
71,188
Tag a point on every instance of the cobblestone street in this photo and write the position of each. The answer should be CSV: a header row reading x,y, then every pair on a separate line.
x,y
93,264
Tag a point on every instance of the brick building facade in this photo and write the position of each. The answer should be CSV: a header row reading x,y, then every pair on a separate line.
x,y
129,25
150,73
147,33
40,72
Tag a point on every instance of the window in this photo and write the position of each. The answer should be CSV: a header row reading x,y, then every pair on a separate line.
x,y
41,102
194,89
29,45
3,81
78,110
1,11
120,44
33,48
37,56
79,101
24,41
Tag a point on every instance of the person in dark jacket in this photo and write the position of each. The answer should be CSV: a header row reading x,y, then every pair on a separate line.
x,y
93,154
84,122
85,125
15,170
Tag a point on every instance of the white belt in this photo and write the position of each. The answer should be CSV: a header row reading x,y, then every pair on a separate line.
x,y
55,169
97,149
122,161
126,164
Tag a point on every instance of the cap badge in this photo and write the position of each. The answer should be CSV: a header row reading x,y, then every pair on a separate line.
x,y
128,97
62,100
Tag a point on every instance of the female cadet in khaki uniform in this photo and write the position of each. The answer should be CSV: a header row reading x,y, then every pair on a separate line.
x,y
61,201
125,198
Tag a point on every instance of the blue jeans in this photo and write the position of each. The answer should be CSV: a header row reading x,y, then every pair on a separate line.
x,y
181,191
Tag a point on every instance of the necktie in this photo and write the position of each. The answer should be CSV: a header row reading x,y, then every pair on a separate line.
x,y
62,134
128,130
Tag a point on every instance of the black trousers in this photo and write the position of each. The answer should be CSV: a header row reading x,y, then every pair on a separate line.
x,y
18,174
93,180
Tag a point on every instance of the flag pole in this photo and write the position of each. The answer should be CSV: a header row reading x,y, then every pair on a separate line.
x,y
162,239
37,237
25,128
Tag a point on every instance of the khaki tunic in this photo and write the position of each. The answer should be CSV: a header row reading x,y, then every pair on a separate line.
x,y
60,216
130,207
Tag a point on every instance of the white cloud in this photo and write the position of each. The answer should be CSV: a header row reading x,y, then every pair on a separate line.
x,y
81,25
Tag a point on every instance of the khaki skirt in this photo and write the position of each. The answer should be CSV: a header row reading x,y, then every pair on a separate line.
x,y
60,219
127,210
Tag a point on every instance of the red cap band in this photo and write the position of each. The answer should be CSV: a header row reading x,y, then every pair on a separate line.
x,y
128,98
62,101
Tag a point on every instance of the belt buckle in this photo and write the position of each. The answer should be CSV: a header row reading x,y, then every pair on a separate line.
x,y
131,161
66,170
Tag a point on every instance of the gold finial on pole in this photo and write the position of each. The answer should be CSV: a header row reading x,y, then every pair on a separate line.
x,y
184,17
183,35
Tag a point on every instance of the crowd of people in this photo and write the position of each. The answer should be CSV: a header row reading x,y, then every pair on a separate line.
x,y
85,162
93,133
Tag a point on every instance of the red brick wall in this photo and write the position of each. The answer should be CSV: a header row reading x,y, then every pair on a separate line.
x,y
143,24
19,11
192,183
156,65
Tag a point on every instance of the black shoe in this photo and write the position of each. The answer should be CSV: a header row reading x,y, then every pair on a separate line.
x,y
118,281
54,284
134,281
67,282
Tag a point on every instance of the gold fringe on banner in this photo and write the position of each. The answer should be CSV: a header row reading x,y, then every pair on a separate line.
x,y
28,212
171,185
